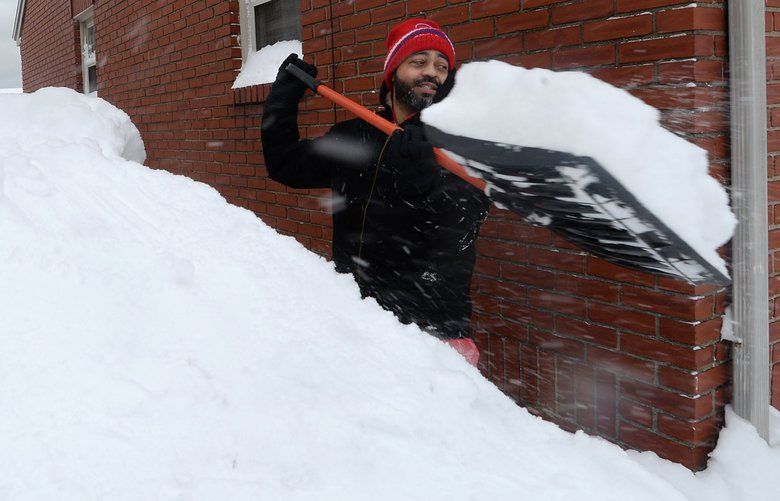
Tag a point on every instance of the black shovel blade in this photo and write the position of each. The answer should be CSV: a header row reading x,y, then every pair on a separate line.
x,y
581,201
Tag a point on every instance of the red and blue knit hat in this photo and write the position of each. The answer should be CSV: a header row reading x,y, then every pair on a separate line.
x,y
415,35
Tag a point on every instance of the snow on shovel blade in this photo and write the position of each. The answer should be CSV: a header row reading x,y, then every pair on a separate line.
x,y
577,198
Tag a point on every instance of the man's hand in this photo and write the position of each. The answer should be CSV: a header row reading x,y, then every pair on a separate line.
x,y
286,86
411,155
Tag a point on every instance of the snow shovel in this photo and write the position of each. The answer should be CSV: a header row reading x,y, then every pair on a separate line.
x,y
571,195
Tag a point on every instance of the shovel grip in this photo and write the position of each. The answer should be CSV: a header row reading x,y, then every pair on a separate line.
x,y
304,77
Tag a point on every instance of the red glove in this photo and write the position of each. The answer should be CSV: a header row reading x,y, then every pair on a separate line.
x,y
467,348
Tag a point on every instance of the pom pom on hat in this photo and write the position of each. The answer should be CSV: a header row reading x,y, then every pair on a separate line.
x,y
415,35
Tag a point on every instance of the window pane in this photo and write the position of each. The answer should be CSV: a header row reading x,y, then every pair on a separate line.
x,y
277,20
92,72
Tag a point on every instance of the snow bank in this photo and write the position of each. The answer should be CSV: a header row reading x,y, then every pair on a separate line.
x,y
742,467
579,114
159,343
261,67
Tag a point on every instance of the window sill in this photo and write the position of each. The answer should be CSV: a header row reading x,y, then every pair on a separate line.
x,y
254,94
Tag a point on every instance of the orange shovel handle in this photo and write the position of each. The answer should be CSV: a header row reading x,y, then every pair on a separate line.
x,y
380,123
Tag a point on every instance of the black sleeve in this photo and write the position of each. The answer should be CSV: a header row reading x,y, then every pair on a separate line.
x,y
291,161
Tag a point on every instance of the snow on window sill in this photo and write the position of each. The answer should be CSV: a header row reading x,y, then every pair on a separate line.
x,y
261,67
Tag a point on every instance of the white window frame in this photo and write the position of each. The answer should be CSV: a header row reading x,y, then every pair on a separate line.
x,y
86,20
248,38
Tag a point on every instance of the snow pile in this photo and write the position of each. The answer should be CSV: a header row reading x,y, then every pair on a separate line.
x,y
576,113
261,67
11,91
159,343
742,467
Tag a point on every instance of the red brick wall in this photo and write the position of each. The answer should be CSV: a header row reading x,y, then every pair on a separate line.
x,y
624,355
773,168
50,46
79,6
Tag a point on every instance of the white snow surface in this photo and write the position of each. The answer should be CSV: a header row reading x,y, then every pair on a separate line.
x,y
159,343
11,90
261,66
579,114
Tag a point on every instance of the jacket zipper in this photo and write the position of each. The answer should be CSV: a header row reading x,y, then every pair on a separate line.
x,y
368,201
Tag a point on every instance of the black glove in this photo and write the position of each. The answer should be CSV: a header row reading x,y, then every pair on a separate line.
x,y
288,88
411,156
445,88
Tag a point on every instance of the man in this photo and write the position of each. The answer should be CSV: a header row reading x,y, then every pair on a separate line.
x,y
404,227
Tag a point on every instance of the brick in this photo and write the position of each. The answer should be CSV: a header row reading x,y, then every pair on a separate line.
x,y
585,396
582,11
638,413
507,291
550,258
632,5
564,388
548,39
693,333
694,458
583,57
691,71
656,349
621,364
671,402
622,317
546,380
673,305
613,29
587,332
487,8
512,377
387,13
664,48
691,18
557,302
472,31
526,314
581,286
497,47
606,404
522,21
524,233
600,268
496,356
693,382
703,432
530,374
563,346
501,250
527,275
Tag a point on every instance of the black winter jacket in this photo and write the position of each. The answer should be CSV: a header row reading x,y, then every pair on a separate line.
x,y
414,256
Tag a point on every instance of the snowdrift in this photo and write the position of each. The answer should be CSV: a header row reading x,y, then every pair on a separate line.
x,y
159,343
575,113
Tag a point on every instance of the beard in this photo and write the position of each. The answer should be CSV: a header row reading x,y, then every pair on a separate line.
x,y
405,93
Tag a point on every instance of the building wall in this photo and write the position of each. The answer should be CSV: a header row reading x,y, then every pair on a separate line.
x,y
628,356
50,46
773,170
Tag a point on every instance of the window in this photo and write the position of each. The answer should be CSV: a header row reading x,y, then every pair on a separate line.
x,y
265,22
88,58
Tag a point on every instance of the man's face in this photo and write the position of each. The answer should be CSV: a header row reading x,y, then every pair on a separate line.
x,y
419,76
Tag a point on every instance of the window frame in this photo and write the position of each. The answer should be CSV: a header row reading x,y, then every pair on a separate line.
x,y
86,20
248,37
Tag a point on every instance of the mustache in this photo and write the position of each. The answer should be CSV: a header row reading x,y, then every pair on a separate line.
x,y
427,79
